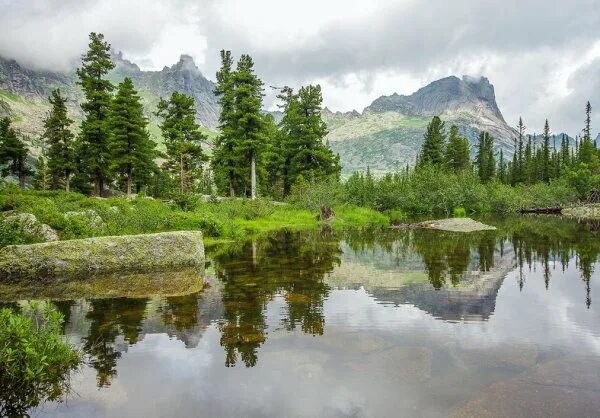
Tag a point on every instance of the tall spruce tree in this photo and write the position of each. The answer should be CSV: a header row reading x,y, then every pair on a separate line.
x,y
249,122
457,154
13,152
132,150
60,140
546,163
303,150
95,130
587,151
183,138
42,177
226,154
485,161
432,151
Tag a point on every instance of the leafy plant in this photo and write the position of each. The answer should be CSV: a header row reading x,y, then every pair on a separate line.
x,y
35,362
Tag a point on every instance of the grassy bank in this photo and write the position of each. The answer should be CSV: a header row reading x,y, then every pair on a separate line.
x,y
73,215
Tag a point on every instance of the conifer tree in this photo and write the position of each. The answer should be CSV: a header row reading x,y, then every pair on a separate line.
x,y
58,136
132,150
457,152
587,152
13,152
546,163
226,154
485,161
249,127
432,151
42,178
528,165
182,136
95,131
303,150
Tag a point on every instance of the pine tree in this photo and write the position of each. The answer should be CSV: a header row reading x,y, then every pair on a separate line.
x,y
457,153
58,136
546,163
485,161
587,152
226,154
182,136
249,127
502,168
132,150
13,152
528,170
95,132
42,178
304,152
432,151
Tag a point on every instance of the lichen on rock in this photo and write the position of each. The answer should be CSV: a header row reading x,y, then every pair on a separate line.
x,y
29,224
84,258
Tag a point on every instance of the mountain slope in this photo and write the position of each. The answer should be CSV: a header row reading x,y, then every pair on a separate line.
x,y
24,92
389,133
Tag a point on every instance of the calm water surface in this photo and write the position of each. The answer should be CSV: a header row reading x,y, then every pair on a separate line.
x,y
401,323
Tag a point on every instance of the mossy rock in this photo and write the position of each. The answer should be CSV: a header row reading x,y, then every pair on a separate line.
x,y
84,258
456,225
30,226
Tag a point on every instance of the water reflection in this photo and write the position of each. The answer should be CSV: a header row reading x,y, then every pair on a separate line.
x,y
320,284
289,264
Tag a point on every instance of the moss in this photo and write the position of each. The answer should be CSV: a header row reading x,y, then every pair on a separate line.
x,y
86,257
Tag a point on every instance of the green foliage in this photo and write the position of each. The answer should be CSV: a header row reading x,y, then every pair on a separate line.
x,y
183,139
432,151
460,212
457,153
59,138
13,152
132,150
314,195
301,148
35,362
94,134
485,161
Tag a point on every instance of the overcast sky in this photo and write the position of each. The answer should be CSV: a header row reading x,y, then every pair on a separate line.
x,y
542,56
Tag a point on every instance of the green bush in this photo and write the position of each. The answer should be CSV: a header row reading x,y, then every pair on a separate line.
x,y
35,362
460,213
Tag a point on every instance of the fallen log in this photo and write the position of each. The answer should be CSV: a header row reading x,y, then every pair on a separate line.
x,y
85,258
556,210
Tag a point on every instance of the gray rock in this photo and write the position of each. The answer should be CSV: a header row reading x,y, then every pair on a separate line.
x,y
83,258
31,226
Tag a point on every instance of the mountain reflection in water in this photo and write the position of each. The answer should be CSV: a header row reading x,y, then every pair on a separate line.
x,y
394,307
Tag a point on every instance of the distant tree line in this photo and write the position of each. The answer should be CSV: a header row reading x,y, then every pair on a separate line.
x,y
113,150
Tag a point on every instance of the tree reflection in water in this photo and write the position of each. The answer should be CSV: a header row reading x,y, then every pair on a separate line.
x,y
290,264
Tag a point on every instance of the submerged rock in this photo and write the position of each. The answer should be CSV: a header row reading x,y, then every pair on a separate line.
x,y
83,258
456,225
29,224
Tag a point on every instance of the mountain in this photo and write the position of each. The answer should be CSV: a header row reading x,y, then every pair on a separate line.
x,y
388,133
385,136
24,92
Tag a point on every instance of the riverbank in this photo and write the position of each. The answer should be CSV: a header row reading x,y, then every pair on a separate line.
x,y
40,216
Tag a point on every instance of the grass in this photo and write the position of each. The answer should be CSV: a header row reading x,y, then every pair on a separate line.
x,y
230,219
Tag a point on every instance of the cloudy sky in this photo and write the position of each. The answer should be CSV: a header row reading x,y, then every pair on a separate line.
x,y
543,57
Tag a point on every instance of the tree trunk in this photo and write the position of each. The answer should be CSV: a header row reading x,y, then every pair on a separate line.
x,y
100,186
129,183
253,178
22,181
68,183
96,186
181,174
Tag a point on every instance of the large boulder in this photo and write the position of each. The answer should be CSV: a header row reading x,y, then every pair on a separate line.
x,y
29,225
84,258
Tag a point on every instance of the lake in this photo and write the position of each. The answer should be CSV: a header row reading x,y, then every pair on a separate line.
x,y
356,324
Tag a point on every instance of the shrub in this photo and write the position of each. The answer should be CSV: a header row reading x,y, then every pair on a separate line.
x,y
460,213
35,363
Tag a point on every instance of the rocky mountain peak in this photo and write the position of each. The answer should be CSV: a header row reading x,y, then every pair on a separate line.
x,y
447,95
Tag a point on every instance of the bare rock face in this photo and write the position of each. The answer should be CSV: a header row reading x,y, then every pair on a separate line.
x,y
29,224
457,225
84,258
